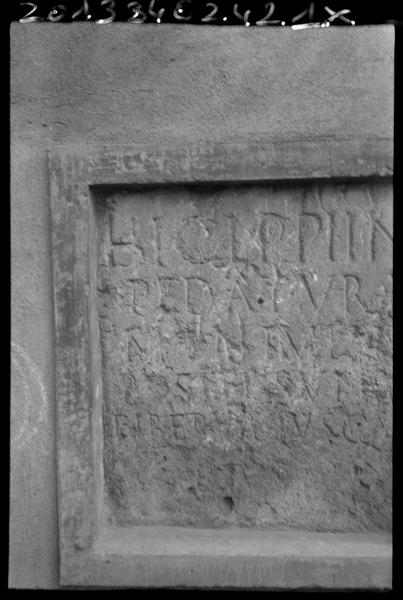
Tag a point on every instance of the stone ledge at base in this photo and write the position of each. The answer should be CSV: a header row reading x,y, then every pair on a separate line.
x,y
234,558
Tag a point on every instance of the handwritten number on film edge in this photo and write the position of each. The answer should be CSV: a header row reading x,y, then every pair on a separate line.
x,y
137,14
109,6
83,9
30,16
210,16
57,13
183,12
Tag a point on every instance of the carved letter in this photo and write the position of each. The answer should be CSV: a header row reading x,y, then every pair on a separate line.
x,y
310,226
199,296
272,232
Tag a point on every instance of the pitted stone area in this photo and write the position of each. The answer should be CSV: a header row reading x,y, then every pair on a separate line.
x,y
246,340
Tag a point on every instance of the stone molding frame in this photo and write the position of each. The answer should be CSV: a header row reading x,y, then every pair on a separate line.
x,y
91,552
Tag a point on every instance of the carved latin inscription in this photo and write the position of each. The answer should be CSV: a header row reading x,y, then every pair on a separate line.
x,y
246,340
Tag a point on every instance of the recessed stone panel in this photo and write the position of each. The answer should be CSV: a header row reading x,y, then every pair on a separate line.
x,y
246,355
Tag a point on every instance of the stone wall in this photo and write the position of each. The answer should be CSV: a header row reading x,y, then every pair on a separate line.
x,y
85,85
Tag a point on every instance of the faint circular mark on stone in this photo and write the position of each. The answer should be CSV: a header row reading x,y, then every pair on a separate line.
x,y
29,406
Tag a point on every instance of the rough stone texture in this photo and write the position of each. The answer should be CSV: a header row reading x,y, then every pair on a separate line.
x,y
246,335
84,191
241,558
152,84
85,85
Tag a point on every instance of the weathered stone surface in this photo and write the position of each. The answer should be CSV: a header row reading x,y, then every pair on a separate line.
x,y
246,339
240,558
145,273
84,86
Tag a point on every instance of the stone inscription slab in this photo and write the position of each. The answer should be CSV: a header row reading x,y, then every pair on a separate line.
x,y
246,343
